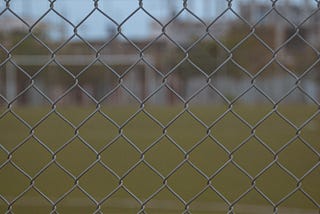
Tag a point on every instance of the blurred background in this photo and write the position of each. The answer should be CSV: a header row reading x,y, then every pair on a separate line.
x,y
45,52
167,106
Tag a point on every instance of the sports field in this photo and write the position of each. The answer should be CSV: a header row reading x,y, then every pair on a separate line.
x,y
204,160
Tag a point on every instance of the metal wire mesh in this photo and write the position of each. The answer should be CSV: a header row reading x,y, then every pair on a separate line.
x,y
174,49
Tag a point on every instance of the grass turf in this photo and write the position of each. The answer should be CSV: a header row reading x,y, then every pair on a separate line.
x,y
198,136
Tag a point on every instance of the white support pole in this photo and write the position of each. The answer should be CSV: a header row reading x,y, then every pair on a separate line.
x,y
11,81
150,83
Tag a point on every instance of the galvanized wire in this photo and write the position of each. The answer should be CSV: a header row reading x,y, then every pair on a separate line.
x,y
165,84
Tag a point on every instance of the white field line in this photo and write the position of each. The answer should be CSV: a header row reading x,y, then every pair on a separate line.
x,y
168,205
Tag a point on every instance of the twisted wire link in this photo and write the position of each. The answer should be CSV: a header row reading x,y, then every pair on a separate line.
x,y
230,204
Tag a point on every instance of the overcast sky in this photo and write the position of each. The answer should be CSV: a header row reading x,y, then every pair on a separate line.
x,y
96,26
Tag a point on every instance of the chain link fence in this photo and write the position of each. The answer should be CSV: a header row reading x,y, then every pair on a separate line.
x,y
211,110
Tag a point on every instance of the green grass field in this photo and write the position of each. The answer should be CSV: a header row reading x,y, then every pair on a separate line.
x,y
88,148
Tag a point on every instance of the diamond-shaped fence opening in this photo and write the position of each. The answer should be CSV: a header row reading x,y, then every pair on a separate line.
x,y
34,163
99,174
119,155
177,180
154,156
56,138
267,186
259,154
230,178
297,45
149,106
198,30
54,174
307,160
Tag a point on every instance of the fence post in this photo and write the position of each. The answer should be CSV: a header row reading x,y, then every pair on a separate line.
x,y
11,81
